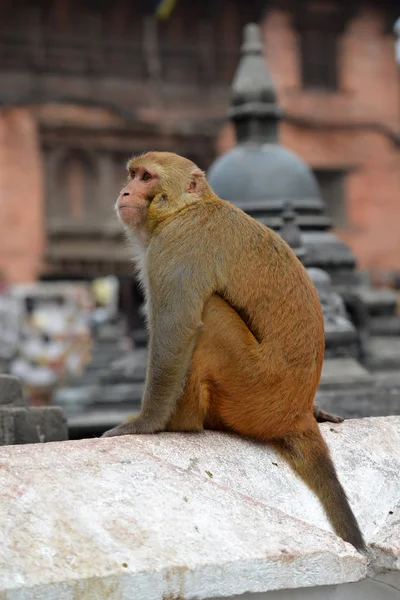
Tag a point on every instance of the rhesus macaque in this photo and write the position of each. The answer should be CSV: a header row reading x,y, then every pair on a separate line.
x,y
236,332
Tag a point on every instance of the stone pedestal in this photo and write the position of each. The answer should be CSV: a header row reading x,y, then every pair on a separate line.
x,y
20,424
347,388
207,516
384,327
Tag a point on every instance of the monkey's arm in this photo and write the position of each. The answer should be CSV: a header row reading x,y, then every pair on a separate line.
x,y
176,303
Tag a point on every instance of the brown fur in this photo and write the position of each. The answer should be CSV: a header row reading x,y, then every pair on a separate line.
x,y
236,327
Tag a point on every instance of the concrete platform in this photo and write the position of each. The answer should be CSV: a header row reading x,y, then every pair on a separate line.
x,y
179,516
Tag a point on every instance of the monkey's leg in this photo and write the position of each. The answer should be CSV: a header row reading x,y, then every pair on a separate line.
x,y
251,390
192,405
323,417
227,387
194,410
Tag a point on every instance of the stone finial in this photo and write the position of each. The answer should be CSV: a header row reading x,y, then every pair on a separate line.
x,y
253,107
290,231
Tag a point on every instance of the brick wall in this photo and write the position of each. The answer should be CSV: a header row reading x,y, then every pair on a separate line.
x,y
369,82
21,196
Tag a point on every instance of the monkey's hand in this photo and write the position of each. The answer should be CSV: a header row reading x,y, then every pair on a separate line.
x,y
132,425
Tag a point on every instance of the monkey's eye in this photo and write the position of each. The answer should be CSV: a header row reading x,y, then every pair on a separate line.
x,y
146,176
132,174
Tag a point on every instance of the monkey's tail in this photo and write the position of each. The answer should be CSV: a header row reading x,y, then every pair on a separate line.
x,y
309,456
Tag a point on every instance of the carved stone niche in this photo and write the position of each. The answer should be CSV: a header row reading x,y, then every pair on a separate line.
x,y
82,230
79,190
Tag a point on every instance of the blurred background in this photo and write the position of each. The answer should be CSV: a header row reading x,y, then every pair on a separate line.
x,y
85,84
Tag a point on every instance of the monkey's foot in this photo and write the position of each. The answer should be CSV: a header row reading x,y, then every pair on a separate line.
x,y
131,426
114,431
324,417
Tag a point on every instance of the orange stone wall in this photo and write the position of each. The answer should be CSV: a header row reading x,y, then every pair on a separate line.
x,y
21,196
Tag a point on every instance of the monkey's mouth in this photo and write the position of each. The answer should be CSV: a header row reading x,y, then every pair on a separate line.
x,y
125,209
126,213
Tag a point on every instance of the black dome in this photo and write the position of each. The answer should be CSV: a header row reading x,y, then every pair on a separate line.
x,y
264,178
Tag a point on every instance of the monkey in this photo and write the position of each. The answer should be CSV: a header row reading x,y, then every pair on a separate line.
x,y
236,331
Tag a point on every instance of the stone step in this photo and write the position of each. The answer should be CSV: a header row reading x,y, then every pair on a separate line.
x,y
79,399
359,403
339,373
110,377
385,326
384,353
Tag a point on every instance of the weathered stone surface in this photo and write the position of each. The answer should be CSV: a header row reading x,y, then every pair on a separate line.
x,y
344,372
385,538
186,516
10,391
22,425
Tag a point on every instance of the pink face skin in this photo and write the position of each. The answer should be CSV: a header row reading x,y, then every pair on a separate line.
x,y
133,202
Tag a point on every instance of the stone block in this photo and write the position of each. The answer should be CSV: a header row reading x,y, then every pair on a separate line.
x,y
11,391
23,425
20,424
184,516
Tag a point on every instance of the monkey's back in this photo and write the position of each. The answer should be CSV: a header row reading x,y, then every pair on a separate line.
x,y
251,267
259,275
274,295
266,280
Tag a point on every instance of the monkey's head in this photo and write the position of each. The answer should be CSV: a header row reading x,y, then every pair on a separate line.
x,y
159,184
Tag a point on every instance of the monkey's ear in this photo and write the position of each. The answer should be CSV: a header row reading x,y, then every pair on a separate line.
x,y
195,184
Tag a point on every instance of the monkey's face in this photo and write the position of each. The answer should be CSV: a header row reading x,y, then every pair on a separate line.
x,y
160,184
134,199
